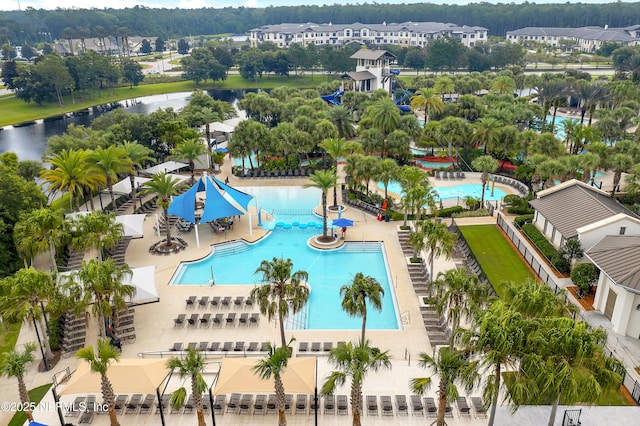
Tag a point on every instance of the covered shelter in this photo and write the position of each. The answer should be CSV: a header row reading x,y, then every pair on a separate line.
x,y
216,204
136,375
133,224
237,376
124,186
143,279
166,167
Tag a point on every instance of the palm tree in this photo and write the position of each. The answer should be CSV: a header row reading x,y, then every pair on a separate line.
x,y
192,367
111,161
428,100
354,361
14,364
337,148
343,120
438,240
387,170
208,115
23,297
355,296
282,292
444,85
189,150
104,289
589,164
503,85
164,186
39,231
620,162
460,296
98,231
487,132
384,116
99,363
138,155
324,180
450,366
71,173
486,164
274,365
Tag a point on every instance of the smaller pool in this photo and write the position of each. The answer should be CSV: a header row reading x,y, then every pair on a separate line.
x,y
434,164
457,191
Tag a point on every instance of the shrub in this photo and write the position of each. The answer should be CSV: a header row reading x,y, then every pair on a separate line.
x,y
55,336
472,213
449,211
584,276
561,263
545,247
521,210
521,220
512,199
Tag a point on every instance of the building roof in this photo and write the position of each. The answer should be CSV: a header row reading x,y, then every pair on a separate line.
x,y
371,54
607,221
584,33
617,256
574,204
418,27
360,75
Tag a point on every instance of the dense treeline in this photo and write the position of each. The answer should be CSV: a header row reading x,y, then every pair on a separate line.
x,y
40,25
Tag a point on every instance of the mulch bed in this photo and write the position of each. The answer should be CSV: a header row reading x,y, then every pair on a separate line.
x,y
586,302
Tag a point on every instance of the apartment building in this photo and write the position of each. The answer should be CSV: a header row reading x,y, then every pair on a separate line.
x,y
404,34
587,39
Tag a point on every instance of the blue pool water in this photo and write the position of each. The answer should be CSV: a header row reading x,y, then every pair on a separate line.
x,y
448,192
433,164
558,126
235,262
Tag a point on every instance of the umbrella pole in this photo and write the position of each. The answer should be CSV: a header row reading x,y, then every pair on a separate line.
x,y
197,236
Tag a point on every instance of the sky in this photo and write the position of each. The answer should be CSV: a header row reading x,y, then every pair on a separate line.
x,y
197,4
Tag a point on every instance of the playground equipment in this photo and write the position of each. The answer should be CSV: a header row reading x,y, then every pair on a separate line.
x,y
334,98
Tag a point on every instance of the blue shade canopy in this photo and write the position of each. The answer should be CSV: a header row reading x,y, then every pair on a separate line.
x,y
216,206
342,222
184,205
222,150
242,198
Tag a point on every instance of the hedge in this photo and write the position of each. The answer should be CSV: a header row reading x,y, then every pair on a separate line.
x,y
521,210
521,220
546,248
449,211
472,213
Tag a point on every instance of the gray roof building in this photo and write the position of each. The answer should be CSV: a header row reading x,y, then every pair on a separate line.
x,y
574,204
618,257
587,38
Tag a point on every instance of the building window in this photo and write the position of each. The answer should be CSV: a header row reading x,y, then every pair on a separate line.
x,y
623,229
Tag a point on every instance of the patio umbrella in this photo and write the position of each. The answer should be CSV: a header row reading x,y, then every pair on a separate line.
x,y
342,222
225,150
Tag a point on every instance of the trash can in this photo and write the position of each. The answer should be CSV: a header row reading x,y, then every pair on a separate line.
x,y
386,218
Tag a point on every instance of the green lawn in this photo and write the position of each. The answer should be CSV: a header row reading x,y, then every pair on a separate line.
x,y
497,257
35,396
13,110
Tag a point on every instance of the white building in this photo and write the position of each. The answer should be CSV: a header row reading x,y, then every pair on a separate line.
x,y
372,70
620,224
618,294
562,209
403,34
588,39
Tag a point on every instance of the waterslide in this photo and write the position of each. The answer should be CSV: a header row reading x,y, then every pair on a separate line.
x,y
334,98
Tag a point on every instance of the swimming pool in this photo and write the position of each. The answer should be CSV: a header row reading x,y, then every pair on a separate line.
x,y
457,191
235,263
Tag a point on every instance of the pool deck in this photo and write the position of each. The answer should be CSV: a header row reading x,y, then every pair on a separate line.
x,y
156,333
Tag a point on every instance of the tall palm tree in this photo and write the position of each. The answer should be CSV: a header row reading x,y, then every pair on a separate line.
x,y
191,366
588,163
14,364
138,155
343,120
71,173
450,366
355,362
164,186
438,240
619,162
274,365
503,85
111,161
444,85
23,298
39,231
104,289
428,100
99,362
486,164
208,116
189,150
387,171
384,116
355,296
98,231
282,292
336,148
460,296
324,180
487,132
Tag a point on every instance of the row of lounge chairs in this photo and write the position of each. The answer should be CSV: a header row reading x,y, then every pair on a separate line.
x,y
219,302
277,173
218,320
222,347
521,187
262,404
438,174
315,347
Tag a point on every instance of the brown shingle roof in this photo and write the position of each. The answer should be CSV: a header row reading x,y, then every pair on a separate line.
x,y
360,75
574,204
371,54
617,256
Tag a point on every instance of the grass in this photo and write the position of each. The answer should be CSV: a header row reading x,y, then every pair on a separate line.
x,y
35,396
8,336
497,257
14,111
